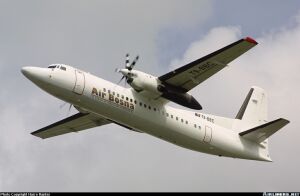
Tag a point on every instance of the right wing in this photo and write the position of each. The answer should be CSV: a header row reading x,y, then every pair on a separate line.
x,y
75,123
189,76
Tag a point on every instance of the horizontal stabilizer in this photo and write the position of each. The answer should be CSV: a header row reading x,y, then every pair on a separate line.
x,y
262,132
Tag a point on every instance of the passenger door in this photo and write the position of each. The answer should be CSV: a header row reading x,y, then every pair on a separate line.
x,y
79,82
208,134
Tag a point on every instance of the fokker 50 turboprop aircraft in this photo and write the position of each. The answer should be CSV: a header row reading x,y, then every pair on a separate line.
x,y
143,107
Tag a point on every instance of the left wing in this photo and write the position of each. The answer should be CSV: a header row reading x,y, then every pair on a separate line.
x,y
194,73
75,123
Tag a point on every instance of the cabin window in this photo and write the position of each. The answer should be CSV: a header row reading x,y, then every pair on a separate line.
x,y
195,125
113,92
134,101
149,107
145,105
163,113
63,68
167,114
176,118
122,96
108,91
199,127
126,98
131,100
182,120
104,89
186,122
141,104
118,95
171,116
154,109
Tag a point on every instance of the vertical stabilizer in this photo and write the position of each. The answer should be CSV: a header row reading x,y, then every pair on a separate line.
x,y
252,122
254,109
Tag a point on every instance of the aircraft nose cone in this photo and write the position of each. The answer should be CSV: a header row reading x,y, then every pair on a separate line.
x,y
35,74
30,72
25,71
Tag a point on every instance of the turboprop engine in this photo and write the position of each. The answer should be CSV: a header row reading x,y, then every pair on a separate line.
x,y
141,81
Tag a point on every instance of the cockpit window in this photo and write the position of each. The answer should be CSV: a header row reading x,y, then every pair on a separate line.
x,y
52,66
63,68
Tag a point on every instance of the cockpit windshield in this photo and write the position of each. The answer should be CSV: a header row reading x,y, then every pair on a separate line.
x,y
62,67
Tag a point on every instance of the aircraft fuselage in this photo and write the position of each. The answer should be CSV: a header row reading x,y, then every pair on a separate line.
x,y
133,110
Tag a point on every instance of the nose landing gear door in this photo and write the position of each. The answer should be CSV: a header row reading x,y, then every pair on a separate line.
x,y
79,82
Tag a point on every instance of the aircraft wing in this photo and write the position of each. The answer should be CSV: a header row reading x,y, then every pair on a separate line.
x,y
75,123
194,73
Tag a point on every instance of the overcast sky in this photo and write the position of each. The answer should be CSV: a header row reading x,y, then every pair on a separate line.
x,y
95,36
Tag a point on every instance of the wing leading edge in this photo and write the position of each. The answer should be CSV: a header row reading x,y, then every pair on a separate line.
x,y
194,73
75,123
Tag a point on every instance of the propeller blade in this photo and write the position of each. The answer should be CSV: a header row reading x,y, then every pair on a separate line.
x,y
127,61
70,107
69,110
121,79
134,62
62,105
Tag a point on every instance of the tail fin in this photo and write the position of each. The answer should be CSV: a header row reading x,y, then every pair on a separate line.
x,y
252,121
254,109
253,116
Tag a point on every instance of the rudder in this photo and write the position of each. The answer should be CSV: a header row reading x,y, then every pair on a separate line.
x,y
254,109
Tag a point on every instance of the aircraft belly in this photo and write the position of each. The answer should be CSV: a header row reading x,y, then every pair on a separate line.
x,y
151,122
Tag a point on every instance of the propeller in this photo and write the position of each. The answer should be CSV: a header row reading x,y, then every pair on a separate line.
x,y
133,63
128,68
63,105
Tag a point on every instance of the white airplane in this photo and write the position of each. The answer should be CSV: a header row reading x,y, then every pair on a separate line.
x,y
143,107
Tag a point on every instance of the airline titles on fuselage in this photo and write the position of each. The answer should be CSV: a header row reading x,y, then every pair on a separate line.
x,y
111,98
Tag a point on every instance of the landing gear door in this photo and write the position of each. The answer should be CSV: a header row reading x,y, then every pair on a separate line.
x,y
79,82
208,134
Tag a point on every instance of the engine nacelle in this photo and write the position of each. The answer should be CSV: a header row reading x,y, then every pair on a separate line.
x,y
141,81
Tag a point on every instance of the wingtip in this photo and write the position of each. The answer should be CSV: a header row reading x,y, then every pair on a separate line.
x,y
250,40
285,120
36,135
